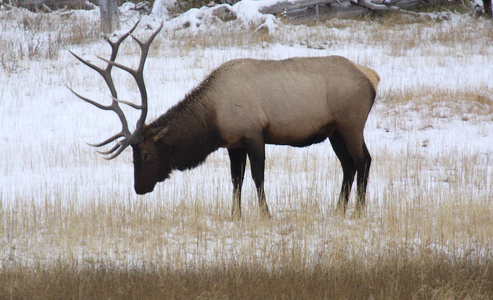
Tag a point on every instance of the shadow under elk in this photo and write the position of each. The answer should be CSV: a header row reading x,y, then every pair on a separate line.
x,y
243,105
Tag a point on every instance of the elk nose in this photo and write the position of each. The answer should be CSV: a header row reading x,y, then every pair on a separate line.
x,y
141,190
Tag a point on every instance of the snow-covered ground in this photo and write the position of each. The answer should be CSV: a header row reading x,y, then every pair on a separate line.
x,y
433,114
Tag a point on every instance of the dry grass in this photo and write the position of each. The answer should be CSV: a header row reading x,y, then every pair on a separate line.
x,y
39,36
436,103
426,234
393,276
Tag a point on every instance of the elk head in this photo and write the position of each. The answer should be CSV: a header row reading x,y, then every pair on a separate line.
x,y
145,152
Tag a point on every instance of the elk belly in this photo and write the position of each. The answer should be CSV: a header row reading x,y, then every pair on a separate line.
x,y
297,136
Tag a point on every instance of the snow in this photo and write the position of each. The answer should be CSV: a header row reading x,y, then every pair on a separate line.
x,y
161,7
246,12
43,126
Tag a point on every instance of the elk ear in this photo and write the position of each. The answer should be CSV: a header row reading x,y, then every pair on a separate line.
x,y
159,134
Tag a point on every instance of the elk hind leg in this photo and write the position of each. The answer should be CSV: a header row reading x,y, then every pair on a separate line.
x,y
237,158
362,178
362,160
348,168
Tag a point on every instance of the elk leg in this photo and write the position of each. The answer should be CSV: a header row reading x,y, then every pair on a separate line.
x,y
237,158
362,160
256,155
362,179
348,168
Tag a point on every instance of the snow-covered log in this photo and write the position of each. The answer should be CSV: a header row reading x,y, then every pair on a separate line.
x,y
307,11
280,7
48,5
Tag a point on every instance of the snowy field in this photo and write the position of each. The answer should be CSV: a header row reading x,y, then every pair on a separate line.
x,y
430,134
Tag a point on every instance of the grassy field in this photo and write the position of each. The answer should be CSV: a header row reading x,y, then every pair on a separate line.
x,y
72,227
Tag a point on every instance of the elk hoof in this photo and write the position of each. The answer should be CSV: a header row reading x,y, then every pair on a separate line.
x,y
340,211
236,216
265,215
358,213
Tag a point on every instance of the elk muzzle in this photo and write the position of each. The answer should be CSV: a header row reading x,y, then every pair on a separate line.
x,y
144,188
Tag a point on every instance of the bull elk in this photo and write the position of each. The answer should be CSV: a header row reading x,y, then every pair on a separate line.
x,y
243,105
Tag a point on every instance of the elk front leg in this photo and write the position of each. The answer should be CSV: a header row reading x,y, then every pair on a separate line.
x,y
256,154
237,158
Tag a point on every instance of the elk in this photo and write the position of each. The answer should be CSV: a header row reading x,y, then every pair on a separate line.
x,y
243,105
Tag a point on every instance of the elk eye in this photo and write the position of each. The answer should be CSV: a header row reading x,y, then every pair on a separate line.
x,y
145,156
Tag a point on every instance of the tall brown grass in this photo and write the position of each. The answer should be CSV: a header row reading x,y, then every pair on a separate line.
x,y
392,276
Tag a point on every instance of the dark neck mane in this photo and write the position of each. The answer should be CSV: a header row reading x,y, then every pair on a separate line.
x,y
193,132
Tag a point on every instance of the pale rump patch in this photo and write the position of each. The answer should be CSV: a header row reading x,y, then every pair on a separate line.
x,y
372,76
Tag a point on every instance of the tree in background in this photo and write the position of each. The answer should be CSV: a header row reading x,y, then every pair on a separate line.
x,y
487,7
110,19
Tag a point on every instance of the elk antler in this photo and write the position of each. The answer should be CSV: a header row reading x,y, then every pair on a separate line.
x,y
128,137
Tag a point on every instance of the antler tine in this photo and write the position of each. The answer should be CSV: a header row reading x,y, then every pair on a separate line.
x,y
144,46
110,151
116,45
103,107
121,146
87,63
120,150
98,105
132,105
113,63
109,140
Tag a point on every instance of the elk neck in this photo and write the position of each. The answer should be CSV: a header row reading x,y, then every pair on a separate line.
x,y
192,130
